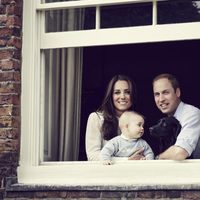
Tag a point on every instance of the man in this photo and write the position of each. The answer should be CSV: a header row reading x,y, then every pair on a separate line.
x,y
167,94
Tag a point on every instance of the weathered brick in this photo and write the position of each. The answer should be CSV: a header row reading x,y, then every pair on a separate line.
x,y
14,9
146,194
8,64
190,195
3,43
13,21
9,76
9,145
16,31
3,19
174,194
9,110
9,99
2,10
6,110
6,53
5,32
132,194
10,133
17,54
8,164
3,2
9,121
9,87
16,42
112,194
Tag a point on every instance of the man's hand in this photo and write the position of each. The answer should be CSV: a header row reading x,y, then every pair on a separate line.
x,y
137,155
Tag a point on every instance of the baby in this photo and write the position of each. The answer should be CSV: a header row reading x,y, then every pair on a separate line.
x,y
131,126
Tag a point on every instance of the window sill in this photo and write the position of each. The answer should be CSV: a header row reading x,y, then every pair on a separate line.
x,y
123,175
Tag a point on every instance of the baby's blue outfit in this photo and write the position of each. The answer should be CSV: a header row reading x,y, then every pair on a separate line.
x,y
120,146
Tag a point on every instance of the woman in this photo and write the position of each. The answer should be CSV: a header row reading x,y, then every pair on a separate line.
x,y
103,124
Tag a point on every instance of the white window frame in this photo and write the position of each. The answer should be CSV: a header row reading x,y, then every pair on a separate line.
x,y
124,174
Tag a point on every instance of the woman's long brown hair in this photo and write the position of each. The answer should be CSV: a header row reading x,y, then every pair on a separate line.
x,y
109,127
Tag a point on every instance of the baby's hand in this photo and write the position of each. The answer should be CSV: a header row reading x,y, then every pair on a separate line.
x,y
107,162
143,158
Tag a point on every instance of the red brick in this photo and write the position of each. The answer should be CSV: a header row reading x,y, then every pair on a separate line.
x,y
3,43
8,87
13,21
9,76
5,32
17,76
9,110
6,53
3,19
16,42
2,10
6,110
14,9
8,145
3,2
8,64
10,133
8,122
146,194
9,99
189,195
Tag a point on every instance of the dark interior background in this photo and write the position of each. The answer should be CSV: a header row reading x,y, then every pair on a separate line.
x,y
141,62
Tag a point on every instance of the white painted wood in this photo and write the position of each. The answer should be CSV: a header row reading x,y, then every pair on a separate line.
x,y
86,3
142,34
124,174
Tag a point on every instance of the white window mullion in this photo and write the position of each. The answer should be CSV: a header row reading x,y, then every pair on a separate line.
x,y
98,17
154,20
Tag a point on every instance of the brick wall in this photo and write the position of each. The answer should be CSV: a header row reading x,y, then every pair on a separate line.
x,y
10,69
103,195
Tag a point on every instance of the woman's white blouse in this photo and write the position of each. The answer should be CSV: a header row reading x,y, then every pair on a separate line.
x,y
94,140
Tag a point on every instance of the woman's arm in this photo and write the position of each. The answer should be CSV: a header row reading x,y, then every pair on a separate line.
x,y
93,138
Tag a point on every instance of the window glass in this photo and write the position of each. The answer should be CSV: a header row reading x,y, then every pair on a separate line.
x,y
126,15
178,12
70,20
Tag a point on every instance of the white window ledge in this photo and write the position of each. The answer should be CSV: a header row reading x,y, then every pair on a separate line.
x,y
122,175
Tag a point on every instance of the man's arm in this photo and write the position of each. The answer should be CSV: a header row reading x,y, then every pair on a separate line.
x,y
173,153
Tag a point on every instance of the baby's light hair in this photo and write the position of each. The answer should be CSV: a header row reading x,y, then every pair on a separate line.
x,y
125,118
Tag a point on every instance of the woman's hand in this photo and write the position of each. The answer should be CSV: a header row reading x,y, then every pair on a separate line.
x,y
137,155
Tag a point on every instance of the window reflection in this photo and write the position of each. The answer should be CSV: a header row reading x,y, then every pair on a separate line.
x,y
126,15
178,12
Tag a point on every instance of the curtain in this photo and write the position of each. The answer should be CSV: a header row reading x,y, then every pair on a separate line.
x,y
62,90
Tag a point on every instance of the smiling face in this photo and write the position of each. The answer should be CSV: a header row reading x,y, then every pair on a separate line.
x,y
166,98
121,97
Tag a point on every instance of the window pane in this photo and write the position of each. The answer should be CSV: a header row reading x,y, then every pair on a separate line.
x,y
126,15
178,12
61,100
70,20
